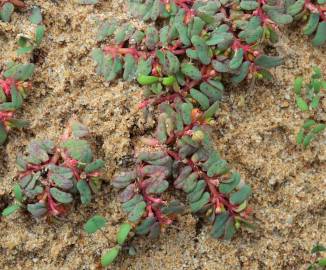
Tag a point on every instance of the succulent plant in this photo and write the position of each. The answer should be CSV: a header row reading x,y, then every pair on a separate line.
x,y
197,43
51,176
308,98
7,8
189,162
13,86
28,44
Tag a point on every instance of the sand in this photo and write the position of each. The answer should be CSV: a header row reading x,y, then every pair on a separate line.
x,y
255,131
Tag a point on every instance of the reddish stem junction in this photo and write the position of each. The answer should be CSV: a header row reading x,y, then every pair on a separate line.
x,y
216,198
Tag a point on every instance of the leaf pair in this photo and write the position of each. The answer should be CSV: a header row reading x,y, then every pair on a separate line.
x,y
309,131
27,45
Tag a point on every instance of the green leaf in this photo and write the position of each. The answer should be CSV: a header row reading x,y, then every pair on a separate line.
x,y
3,134
172,64
24,72
220,167
237,59
198,205
312,24
248,5
229,229
152,37
137,212
18,192
37,209
169,81
123,233
129,68
85,192
144,66
174,207
307,139
191,71
303,106
200,98
196,194
309,123
6,12
295,8
267,62
197,27
319,128
219,38
79,150
314,102
10,210
241,195
146,80
129,205
231,184
124,180
219,66
278,17
110,256
94,166
298,85
62,182
202,50
78,130
320,36
210,112
94,224
39,34
243,71
106,29
219,224
145,226
322,262
36,16
60,196
181,28
300,136
23,50
213,89
186,109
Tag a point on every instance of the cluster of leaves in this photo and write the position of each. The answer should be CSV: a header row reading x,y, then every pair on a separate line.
x,y
319,263
265,14
52,176
307,99
198,44
315,14
26,44
96,223
189,161
14,80
13,86
182,59
7,8
186,161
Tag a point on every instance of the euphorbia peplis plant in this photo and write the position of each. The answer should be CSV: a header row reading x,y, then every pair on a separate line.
x,y
307,99
188,160
13,86
53,175
198,46
182,61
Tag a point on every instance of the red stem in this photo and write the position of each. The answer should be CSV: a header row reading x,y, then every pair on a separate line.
x,y
216,197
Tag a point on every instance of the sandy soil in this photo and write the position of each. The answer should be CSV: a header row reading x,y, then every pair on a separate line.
x,y
255,132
